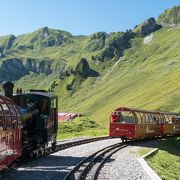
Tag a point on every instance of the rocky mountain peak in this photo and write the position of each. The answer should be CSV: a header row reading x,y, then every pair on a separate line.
x,y
43,33
6,42
99,35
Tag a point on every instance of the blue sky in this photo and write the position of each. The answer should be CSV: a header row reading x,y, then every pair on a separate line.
x,y
77,16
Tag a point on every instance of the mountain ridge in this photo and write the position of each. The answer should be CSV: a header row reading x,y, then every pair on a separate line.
x,y
95,74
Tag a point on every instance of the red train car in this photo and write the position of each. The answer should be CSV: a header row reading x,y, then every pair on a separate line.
x,y
10,132
129,123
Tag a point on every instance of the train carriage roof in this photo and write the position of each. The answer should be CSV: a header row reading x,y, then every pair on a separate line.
x,y
41,94
145,111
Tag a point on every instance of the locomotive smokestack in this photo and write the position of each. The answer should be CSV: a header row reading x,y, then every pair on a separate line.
x,y
8,89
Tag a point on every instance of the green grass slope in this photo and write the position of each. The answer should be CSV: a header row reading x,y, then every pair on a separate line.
x,y
166,162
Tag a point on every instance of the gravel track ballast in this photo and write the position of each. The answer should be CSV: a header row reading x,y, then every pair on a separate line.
x,y
122,165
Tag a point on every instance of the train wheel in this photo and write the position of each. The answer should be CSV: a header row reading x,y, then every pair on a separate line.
x,y
54,145
124,139
36,154
41,152
31,155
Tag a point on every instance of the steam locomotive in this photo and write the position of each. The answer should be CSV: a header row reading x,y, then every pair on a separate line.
x,y
28,123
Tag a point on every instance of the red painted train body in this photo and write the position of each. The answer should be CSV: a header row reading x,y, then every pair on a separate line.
x,y
129,123
10,132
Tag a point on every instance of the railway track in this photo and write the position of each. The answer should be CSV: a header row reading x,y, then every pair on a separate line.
x,y
74,143
90,167
43,152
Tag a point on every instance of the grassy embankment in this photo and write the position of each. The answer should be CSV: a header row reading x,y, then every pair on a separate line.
x,y
80,127
166,162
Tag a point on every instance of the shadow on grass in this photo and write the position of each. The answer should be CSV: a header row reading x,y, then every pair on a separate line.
x,y
170,144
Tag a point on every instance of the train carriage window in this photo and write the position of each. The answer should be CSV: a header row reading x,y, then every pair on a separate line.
x,y
14,115
143,118
53,103
44,107
171,119
149,118
116,117
139,118
159,118
53,109
167,119
7,115
177,119
154,119
174,120
128,117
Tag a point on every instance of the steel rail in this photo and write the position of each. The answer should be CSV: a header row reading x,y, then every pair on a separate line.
x,y
98,155
74,143
95,175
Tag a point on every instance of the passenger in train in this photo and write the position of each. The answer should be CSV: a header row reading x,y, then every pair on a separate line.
x,y
114,117
119,116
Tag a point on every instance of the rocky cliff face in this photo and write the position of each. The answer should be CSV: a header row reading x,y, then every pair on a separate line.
x,y
6,43
117,46
97,41
37,67
13,69
114,45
